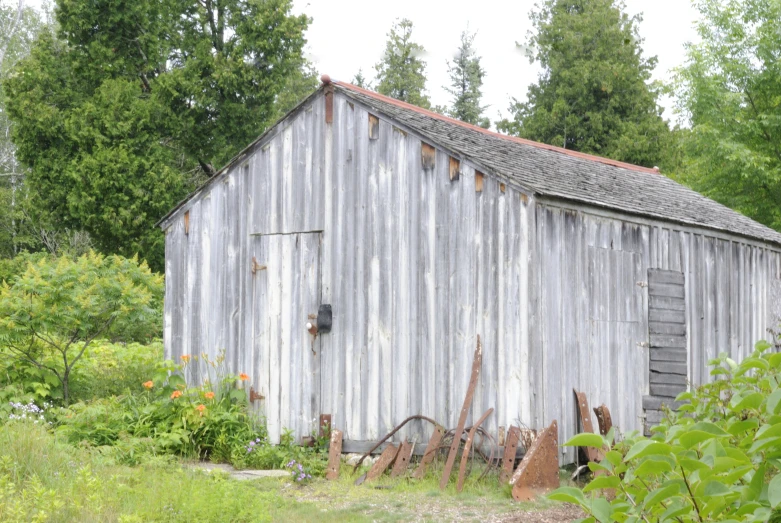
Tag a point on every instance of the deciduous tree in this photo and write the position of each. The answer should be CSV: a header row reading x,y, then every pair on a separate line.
x,y
594,93
728,92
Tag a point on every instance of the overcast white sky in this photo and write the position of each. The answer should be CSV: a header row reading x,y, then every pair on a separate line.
x,y
349,34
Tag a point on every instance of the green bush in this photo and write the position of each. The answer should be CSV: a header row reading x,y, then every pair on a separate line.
x,y
716,459
54,310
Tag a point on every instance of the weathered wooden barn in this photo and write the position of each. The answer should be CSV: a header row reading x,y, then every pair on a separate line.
x,y
422,232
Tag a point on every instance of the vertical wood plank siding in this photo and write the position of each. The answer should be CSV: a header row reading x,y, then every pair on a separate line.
x,y
416,265
729,306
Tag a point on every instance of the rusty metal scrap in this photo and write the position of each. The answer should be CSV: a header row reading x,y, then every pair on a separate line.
x,y
539,468
334,455
402,459
451,458
430,453
585,419
390,434
603,418
467,447
510,451
386,458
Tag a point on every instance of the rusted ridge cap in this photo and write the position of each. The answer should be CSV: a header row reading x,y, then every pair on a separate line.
x,y
432,114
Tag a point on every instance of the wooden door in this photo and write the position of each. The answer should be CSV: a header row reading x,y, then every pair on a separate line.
x,y
285,356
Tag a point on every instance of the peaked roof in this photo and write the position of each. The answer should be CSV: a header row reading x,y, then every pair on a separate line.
x,y
556,172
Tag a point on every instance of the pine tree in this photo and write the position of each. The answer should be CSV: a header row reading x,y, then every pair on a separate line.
x,y
466,81
594,93
360,80
401,72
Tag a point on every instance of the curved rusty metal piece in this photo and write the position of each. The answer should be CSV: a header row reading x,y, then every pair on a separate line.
x,y
390,435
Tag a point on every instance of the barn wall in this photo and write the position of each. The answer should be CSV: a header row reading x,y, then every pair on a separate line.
x,y
415,266
589,336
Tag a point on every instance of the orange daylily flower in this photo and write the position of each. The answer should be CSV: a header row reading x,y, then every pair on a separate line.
x,y
175,394
243,377
185,358
209,395
201,408
148,384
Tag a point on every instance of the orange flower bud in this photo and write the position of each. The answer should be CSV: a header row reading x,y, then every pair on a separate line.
x,y
148,384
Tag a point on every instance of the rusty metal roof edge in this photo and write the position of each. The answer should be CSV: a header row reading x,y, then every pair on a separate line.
x,y
164,221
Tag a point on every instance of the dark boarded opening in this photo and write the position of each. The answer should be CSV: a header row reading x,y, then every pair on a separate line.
x,y
668,369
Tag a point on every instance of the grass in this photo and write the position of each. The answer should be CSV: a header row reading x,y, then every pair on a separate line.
x,y
43,478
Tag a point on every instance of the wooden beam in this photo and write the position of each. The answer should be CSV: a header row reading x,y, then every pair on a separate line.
x,y
427,156
374,127
478,181
455,168
329,104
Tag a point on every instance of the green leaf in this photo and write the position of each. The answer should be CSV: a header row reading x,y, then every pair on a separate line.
x,y
614,457
750,401
754,489
602,482
568,495
600,508
660,494
700,432
653,465
774,491
774,401
647,447
739,427
586,439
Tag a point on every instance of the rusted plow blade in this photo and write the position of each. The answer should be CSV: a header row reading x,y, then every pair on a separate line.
x,y
470,392
402,459
510,451
467,447
334,455
386,459
430,452
585,420
603,418
539,468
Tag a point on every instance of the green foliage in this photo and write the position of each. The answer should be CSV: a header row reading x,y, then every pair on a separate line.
x,y
728,92
134,104
401,73
42,478
50,314
593,94
716,459
466,82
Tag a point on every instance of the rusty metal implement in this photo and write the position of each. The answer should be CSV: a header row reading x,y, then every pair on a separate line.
x,y
334,455
603,418
585,419
510,450
430,453
467,447
386,458
402,459
451,457
539,468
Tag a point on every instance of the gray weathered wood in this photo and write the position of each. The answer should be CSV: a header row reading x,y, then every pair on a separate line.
x,y
667,378
669,391
665,290
669,367
674,329
666,316
656,402
665,341
666,276
674,355
664,302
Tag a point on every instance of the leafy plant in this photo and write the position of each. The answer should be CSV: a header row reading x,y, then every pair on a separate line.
x,y
51,314
716,459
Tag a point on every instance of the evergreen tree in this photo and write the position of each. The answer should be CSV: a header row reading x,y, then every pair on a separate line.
x,y
728,94
466,81
594,93
360,80
121,116
401,73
